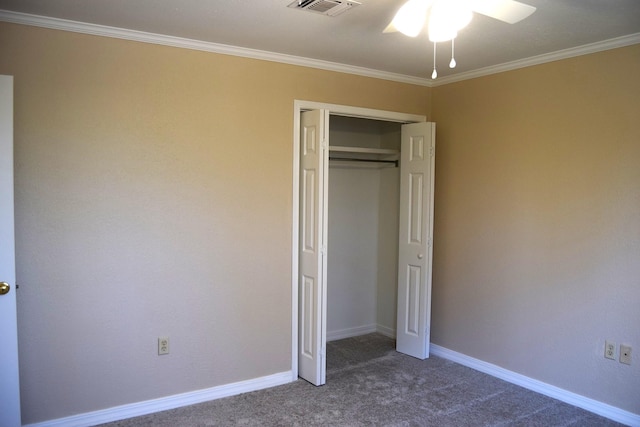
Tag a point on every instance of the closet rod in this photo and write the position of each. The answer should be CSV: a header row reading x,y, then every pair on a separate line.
x,y
349,159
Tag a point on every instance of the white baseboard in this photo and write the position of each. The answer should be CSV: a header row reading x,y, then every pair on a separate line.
x,y
360,330
350,332
591,405
190,398
386,331
169,402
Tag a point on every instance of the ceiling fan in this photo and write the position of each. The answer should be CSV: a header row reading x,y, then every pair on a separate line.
x,y
446,17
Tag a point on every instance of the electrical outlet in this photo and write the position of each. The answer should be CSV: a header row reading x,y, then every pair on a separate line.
x,y
625,354
163,345
610,350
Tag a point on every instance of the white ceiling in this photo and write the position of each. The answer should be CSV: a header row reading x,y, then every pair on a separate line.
x,y
355,37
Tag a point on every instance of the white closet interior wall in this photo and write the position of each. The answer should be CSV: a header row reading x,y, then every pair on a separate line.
x,y
363,233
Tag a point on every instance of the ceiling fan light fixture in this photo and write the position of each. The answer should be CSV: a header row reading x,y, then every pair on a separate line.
x,y
447,18
441,33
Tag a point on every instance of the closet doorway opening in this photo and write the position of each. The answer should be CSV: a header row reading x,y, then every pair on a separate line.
x,y
363,209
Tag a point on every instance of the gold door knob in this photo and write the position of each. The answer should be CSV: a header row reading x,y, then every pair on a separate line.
x,y
4,288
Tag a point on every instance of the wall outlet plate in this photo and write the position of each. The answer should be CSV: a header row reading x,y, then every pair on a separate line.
x,y
163,345
625,354
610,350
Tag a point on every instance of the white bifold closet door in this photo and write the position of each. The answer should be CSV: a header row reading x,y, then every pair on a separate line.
x,y
415,242
415,239
312,283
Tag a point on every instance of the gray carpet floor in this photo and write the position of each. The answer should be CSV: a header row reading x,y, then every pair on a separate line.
x,y
370,384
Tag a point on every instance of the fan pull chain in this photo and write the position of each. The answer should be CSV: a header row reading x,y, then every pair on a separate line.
x,y
452,64
435,73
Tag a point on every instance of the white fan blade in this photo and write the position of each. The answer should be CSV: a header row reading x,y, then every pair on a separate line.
x,y
390,28
509,11
410,18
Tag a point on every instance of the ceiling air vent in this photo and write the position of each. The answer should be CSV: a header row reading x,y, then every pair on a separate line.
x,y
324,7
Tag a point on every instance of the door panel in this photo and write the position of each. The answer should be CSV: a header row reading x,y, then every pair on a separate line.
x,y
415,208
308,217
9,381
415,234
307,296
312,292
412,301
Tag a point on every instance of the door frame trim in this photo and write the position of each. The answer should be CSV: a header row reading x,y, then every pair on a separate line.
x,y
337,110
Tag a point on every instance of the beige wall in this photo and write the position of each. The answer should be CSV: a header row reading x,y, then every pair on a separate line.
x,y
154,197
537,221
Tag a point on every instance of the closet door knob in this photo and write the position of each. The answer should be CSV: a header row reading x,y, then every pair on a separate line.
x,y
4,288
420,256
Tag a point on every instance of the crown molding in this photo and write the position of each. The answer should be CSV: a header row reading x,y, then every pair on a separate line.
x,y
179,42
160,39
586,49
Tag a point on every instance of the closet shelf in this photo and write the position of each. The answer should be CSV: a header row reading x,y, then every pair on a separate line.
x,y
362,150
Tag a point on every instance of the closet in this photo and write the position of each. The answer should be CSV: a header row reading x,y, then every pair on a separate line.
x,y
364,196
364,180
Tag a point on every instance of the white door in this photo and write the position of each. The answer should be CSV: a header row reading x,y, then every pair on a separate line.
x,y
415,239
9,382
312,280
